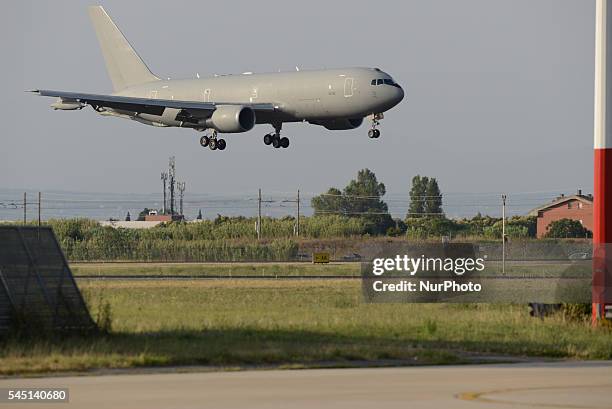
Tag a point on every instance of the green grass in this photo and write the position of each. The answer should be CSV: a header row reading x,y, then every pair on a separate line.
x,y
291,323
217,269
280,269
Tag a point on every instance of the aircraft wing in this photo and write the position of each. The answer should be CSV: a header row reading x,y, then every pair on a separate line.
x,y
195,109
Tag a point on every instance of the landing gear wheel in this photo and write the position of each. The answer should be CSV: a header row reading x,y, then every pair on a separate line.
x,y
268,139
204,141
374,133
221,144
212,144
276,142
284,142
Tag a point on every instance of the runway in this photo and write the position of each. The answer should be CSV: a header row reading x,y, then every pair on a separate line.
x,y
533,385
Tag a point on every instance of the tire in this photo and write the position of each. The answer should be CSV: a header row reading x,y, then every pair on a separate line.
x,y
372,133
276,142
284,142
268,139
221,144
376,133
204,141
212,144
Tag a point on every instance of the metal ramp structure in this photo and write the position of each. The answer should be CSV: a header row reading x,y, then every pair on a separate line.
x,y
37,288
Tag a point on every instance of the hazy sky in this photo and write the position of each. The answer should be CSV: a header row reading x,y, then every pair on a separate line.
x,y
499,94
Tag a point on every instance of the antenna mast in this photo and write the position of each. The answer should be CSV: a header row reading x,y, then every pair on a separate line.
x,y
164,179
181,188
172,176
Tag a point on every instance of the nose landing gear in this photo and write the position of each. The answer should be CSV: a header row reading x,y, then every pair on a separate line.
x,y
212,142
275,139
374,133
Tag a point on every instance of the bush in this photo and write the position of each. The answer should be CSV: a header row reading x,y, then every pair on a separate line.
x,y
427,227
577,312
567,228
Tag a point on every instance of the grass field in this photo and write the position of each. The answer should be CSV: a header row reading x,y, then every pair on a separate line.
x,y
217,269
292,269
233,323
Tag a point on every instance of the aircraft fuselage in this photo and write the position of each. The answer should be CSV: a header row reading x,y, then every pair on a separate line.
x,y
316,95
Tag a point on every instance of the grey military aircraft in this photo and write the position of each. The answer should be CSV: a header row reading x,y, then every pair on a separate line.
x,y
337,99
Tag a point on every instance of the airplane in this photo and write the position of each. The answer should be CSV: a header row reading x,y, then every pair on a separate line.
x,y
337,99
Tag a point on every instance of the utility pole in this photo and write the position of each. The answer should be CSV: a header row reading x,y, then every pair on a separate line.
x,y
503,196
259,202
297,223
181,189
259,215
25,207
39,221
172,175
296,227
164,178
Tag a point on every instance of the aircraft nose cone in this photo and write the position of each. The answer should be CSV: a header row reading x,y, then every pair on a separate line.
x,y
400,94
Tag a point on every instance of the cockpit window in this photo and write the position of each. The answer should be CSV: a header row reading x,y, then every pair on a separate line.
x,y
389,81
385,81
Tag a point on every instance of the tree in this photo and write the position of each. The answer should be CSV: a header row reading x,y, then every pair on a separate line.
x,y
127,217
567,228
425,198
331,202
528,224
433,199
417,193
363,195
362,198
199,215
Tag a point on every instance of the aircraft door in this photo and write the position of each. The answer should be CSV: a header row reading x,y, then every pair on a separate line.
x,y
348,87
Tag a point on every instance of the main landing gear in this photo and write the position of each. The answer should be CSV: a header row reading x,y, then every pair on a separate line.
x,y
275,139
212,142
374,133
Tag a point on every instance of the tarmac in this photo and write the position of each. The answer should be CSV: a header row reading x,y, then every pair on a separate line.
x,y
566,384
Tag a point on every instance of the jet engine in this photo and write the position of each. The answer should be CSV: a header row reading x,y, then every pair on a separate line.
x,y
232,119
340,124
67,105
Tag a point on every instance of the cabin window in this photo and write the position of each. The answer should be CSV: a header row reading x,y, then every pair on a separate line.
x,y
373,82
379,82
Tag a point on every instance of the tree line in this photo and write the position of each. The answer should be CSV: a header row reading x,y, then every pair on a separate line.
x,y
363,198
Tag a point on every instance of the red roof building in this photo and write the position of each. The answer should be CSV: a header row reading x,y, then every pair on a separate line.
x,y
576,207
158,218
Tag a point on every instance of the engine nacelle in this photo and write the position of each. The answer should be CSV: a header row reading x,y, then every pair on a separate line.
x,y
66,105
340,124
232,119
